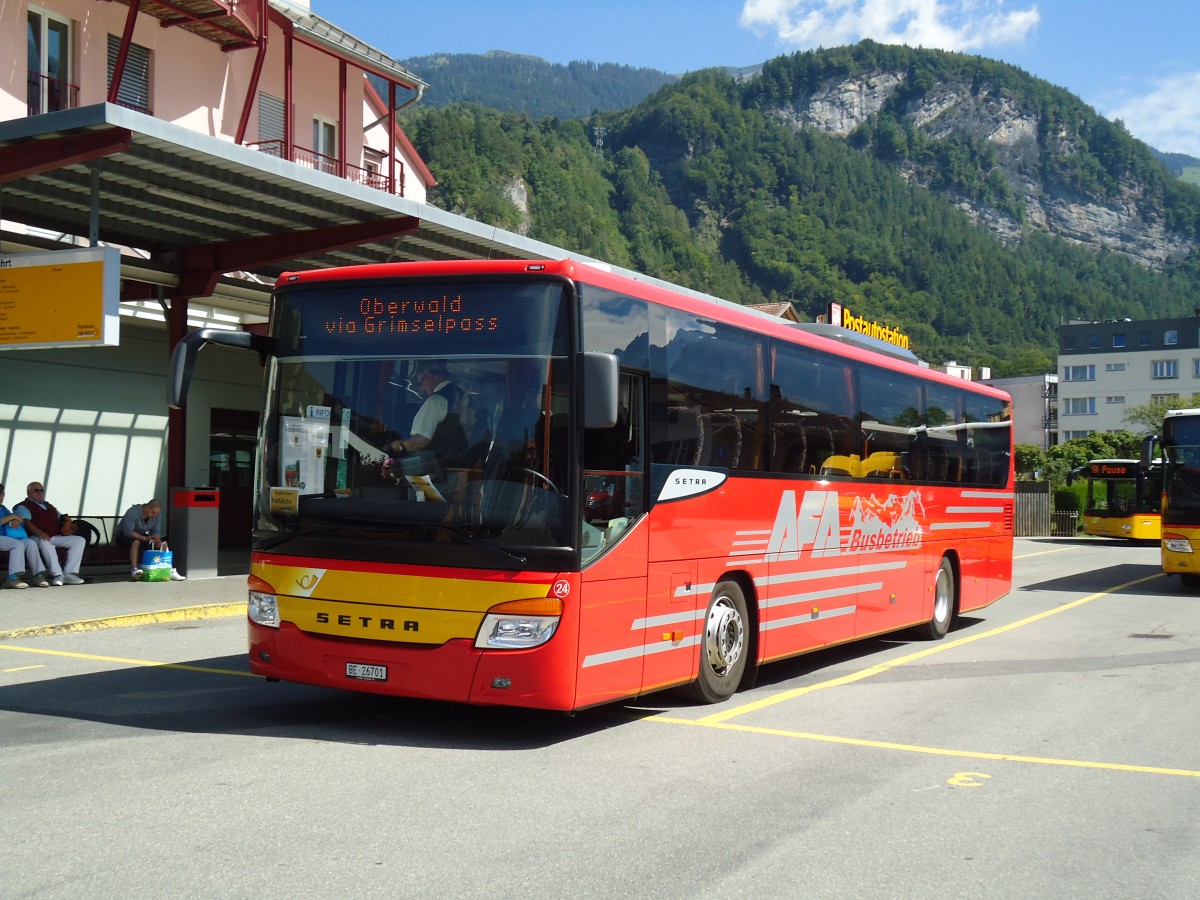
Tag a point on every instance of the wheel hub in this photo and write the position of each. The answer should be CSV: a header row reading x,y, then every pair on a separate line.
x,y
724,636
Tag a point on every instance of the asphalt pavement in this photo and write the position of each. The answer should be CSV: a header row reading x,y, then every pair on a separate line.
x,y
108,598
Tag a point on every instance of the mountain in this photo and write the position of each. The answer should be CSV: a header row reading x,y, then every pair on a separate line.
x,y
1181,165
529,84
962,200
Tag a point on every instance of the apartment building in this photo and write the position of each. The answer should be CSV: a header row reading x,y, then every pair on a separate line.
x,y
1105,368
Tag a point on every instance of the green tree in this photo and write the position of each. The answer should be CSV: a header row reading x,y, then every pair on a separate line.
x,y
1028,460
1150,415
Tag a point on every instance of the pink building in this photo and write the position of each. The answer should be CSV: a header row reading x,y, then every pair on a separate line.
x,y
215,143
262,73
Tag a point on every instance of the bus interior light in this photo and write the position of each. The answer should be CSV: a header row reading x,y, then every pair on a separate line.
x,y
263,609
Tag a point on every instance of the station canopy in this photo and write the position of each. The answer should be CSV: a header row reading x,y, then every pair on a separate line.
x,y
182,203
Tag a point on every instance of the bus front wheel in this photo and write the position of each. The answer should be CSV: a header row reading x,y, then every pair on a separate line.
x,y
724,645
943,604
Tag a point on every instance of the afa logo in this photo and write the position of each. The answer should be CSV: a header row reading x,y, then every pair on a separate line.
x,y
814,524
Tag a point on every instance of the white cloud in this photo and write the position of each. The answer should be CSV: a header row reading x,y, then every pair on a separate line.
x,y
1167,116
965,25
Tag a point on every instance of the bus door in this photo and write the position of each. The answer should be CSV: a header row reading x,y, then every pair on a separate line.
x,y
615,547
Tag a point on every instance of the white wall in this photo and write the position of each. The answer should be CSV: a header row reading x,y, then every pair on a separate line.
x,y
91,422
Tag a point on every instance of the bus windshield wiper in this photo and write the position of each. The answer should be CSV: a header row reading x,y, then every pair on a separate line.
x,y
475,542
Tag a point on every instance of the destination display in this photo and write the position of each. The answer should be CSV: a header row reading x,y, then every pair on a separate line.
x,y
411,319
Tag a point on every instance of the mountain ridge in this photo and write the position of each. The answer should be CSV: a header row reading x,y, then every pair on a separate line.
x,y
940,192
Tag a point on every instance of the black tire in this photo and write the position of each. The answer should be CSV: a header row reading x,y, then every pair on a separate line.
x,y
1190,581
944,601
724,645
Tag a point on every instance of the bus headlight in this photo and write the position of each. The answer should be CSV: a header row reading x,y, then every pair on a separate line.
x,y
1177,544
519,624
263,609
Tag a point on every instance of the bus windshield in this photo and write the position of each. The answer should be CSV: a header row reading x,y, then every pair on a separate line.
x,y
1181,446
360,372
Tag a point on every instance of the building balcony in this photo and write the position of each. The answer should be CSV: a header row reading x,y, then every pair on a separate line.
x,y
45,94
311,159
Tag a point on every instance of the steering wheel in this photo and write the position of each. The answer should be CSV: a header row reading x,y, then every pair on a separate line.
x,y
540,477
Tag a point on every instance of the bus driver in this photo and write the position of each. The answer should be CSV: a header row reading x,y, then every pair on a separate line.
x,y
436,426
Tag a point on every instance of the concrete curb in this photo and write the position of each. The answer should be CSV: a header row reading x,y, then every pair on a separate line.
x,y
184,614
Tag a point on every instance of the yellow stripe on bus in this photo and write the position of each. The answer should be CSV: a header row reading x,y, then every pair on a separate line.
x,y
367,621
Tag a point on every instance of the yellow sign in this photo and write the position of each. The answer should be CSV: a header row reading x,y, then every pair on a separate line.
x,y
839,315
64,298
285,501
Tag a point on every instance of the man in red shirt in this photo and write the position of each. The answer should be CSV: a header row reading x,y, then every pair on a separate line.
x,y
51,529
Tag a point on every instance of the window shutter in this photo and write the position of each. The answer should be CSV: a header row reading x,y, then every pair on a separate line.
x,y
135,83
270,118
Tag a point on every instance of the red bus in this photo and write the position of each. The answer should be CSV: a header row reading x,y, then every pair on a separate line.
x,y
642,487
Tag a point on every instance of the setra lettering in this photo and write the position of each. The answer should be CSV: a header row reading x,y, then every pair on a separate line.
x,y
367,623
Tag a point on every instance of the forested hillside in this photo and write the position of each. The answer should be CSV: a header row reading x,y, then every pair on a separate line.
x,y
508,81
959,199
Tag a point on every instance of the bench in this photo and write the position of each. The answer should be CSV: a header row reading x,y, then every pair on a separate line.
x,y
101,550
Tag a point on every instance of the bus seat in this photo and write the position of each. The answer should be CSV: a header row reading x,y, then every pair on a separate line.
x,y
819,441
788,448
684,445
723,439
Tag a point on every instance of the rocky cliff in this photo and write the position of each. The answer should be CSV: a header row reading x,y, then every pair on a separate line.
x,y
1128,220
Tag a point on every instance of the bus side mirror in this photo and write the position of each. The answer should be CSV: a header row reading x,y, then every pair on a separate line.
x,y
599,374
183,357
1148,449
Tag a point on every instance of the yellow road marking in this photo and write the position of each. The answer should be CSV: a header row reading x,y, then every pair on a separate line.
x,y
185,614
127,662
1042,552
726,715
23,668
933,751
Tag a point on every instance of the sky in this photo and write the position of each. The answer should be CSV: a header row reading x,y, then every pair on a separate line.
x,y
1129,60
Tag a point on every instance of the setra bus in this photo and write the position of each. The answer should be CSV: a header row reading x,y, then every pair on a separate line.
x,y
1123,498
1180,442
645,488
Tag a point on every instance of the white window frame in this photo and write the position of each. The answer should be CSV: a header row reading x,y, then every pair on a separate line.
x,y
1079,373
1078,406
325,144
1161,369
43,47
1116,367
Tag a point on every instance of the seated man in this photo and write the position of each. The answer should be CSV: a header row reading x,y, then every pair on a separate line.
x,y
140,529
51,529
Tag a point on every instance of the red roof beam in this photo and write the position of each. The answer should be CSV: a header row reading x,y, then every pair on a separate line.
x,y
23,160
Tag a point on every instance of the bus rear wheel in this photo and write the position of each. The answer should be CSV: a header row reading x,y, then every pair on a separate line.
x,y
943,604
724,645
